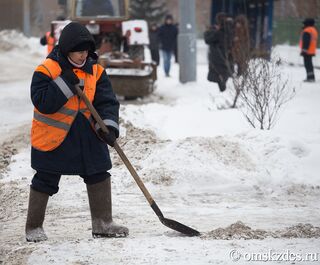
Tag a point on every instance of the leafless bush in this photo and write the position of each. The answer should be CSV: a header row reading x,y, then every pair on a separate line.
x,y
262,91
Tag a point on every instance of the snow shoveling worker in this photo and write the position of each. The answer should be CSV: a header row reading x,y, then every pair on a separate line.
x,y
65,138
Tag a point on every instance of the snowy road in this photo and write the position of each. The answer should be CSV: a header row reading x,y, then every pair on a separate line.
x,y
204,166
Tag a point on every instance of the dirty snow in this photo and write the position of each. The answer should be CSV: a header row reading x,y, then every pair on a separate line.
x,y
247,191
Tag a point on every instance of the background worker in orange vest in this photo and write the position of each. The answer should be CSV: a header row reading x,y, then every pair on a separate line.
x,y
308,46
49,40
65,138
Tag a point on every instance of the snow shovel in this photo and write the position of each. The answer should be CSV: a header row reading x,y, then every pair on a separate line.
x,y
167,222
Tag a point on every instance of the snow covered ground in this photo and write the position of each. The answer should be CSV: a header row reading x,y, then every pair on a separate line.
x,y
247,191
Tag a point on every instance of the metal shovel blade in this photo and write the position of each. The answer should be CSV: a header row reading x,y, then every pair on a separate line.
x,y
171,223
179,227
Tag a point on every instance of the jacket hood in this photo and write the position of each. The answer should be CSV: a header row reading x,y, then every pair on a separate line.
x,y
73,35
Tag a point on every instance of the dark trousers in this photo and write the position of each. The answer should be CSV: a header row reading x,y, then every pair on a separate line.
x,y
155,55
307,59
49,183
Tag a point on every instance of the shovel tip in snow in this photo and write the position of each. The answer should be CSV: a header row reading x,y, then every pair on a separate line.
x,y
179,227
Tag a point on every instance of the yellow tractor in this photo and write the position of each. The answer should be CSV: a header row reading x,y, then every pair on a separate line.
x,y
122,44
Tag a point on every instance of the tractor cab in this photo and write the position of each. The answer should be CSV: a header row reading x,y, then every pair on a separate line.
x,y
100,9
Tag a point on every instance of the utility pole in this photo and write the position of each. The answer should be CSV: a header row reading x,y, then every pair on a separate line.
x,y
26,18
63,4
187,48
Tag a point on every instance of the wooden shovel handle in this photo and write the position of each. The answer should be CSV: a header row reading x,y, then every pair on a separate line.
x,y
116,146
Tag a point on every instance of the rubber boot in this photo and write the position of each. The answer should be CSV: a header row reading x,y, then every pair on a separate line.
x,y
36,212
101,211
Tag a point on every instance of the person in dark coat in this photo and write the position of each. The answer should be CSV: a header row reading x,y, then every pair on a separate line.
x,y
168,37
219,39
308,46
241,44
154,43
65,138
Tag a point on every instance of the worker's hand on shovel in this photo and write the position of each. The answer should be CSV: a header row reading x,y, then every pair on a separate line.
x,y
108,137
71,79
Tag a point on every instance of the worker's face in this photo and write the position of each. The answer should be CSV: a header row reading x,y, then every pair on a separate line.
x,y
78,57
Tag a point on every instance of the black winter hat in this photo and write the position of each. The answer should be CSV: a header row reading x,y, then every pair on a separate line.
x,y
309,22
76,37
83,46
169,16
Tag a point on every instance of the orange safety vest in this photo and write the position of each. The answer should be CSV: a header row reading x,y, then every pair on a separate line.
x,y
49,130
50,42
313,42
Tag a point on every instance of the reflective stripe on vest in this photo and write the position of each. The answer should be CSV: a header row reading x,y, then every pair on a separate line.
x,y
313,41
50,42
56,123
50,130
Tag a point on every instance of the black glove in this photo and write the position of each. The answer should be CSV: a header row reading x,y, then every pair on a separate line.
x,y
70,77
303,53
108,138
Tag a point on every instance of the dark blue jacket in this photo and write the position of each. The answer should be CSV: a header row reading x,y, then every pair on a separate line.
x,y
82,152
154,40
168,37
306,39
220,61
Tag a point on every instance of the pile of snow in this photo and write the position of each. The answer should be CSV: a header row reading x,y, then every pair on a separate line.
x,y
19,55
15,40
188,110
239,230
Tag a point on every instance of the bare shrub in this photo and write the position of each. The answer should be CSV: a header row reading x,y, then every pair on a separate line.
x,y
263,91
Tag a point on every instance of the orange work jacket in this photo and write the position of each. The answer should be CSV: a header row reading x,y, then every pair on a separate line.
x,y
49,130
50,42
313,42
